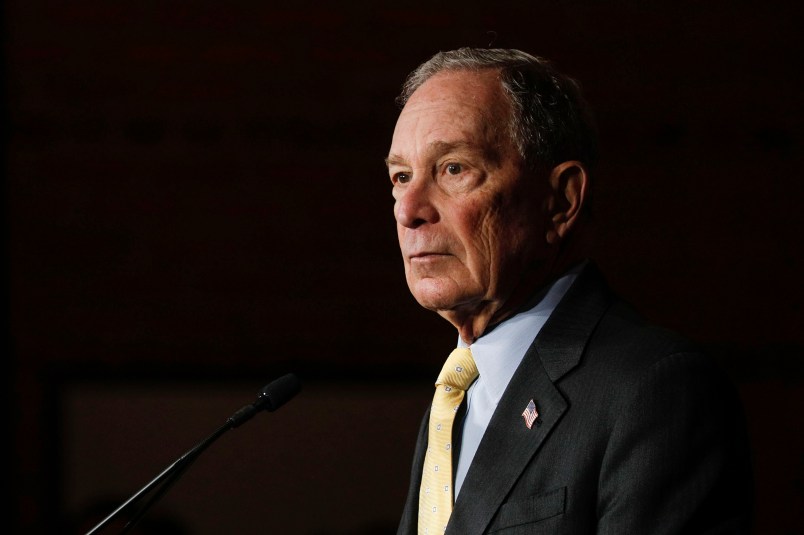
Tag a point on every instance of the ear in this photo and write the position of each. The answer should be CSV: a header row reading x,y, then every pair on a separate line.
x,y
568,184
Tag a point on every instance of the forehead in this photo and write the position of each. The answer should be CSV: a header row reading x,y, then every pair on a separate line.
x,y
453,107
481,87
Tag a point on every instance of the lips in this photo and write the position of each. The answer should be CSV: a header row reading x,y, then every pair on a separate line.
x,y
427,257
419,247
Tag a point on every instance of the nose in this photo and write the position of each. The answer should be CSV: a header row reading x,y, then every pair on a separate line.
x,y
414,203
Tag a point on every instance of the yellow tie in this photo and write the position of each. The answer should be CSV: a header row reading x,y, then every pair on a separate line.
x,y
435,494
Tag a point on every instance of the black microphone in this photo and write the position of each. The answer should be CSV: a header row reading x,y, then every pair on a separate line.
x,y
270,398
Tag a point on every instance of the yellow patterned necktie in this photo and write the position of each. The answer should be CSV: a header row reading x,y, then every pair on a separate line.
x,y
435,493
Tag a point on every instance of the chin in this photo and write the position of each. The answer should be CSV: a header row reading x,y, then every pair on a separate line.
x,y
435,294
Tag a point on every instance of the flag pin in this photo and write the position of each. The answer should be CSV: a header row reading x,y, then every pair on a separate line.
x,y
531,415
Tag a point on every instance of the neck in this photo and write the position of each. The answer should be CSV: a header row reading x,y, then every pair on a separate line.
x,y
472,323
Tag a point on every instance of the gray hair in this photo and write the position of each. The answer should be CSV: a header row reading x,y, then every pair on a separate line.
x,y
551,122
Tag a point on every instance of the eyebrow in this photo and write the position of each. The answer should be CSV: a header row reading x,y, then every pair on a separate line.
x,y
393,159
438,148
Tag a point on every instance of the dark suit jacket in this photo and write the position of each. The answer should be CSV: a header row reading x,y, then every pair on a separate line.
x,y
640,433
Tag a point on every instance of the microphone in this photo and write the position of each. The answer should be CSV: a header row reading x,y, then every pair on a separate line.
x,y
271,397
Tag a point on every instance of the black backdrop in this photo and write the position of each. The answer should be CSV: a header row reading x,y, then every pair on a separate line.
x,y
196,201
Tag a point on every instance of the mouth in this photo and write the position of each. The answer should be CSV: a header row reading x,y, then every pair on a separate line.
x,y
426,256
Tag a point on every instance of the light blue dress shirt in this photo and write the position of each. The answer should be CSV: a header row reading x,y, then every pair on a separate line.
x,y
497,355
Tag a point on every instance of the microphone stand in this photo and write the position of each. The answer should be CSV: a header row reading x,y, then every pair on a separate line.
x,y
166,478
271,397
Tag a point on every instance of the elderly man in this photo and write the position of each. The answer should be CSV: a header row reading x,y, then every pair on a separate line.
x,y
561,411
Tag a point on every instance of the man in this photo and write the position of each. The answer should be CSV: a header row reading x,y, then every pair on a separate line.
x,y
583,419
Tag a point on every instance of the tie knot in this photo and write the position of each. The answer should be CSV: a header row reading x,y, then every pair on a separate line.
x,y
460,369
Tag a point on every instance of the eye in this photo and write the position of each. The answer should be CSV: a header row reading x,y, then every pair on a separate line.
x,y
400,178
454,168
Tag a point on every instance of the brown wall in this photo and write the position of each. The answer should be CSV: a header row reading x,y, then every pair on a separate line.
x,y
197,201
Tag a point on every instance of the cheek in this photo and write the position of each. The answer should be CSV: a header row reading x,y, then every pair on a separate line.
x,y
504,235
486,241
491,225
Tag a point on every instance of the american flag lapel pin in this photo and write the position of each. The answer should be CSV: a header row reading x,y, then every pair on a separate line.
x,y
530,414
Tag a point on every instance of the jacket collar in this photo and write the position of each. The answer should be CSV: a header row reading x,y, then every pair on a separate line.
x,y
557,349
561,342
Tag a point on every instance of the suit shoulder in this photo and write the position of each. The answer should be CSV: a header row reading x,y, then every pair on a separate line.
x,y
625,343
630,365
624,327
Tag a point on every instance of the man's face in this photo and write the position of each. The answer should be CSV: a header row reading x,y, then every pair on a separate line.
x,y
469,216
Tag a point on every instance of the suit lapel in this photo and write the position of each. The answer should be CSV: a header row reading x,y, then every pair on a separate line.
x,y
562,340
508,445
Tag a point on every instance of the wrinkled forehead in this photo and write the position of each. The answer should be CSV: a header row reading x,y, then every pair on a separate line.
x,y
454,107
471,88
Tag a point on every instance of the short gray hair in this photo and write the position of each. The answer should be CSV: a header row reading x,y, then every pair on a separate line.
x,y
551,122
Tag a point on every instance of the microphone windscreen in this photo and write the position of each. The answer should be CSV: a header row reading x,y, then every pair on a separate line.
x,y
278,392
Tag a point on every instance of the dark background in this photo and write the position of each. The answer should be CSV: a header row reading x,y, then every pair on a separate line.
x,y
196,202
